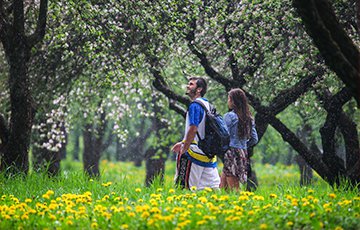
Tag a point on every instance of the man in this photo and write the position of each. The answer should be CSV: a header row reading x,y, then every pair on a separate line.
x,y
194,169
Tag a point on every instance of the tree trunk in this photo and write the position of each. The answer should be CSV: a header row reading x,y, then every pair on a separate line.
x,y
17,46
306,173
155,168
76,140
252,181
16,158
91,155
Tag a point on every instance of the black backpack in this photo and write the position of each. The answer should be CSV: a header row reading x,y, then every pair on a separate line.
x,y
217,136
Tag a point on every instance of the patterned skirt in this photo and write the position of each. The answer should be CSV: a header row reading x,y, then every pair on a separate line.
x,y
236,164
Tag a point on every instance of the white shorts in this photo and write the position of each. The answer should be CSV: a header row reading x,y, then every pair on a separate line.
x,y
189,175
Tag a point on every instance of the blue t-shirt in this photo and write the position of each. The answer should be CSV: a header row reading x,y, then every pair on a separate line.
x,y
196,113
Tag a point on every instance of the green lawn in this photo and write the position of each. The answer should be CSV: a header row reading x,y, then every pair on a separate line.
x,y
120,201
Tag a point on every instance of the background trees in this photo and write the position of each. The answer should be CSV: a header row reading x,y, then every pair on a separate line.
x,y
100,62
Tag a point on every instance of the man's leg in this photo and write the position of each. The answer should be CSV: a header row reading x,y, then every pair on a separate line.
x,y
195,176
209,178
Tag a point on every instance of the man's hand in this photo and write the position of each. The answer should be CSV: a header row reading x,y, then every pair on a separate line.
x,y
177,147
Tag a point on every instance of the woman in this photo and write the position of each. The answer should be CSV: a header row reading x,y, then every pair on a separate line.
x,y
243,134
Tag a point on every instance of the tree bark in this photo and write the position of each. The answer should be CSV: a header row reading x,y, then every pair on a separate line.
x,y
155,167
91,155
17,50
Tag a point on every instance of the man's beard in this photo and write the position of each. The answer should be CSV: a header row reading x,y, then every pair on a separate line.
x,y
191,93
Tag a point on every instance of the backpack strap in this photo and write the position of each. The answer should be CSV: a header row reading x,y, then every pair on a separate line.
x,y
206,111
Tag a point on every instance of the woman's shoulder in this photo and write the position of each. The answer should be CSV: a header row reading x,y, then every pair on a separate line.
x,y
231,115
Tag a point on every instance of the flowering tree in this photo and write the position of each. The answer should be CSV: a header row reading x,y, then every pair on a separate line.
x,y
261,48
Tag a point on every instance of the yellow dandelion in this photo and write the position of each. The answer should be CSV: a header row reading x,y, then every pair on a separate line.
x,y
201,222
310,191
94,225
145,215
193,188
273,196
25,216
124,226
69,222
289,223
338,228
171,190
138,190
52,217
332,195
263,226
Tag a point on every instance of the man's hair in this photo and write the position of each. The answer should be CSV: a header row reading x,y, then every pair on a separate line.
x,y
200,83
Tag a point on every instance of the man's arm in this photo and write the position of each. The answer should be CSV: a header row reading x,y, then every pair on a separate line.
x,y
190,135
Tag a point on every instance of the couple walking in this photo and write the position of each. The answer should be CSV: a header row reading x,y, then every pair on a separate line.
x,y
194,169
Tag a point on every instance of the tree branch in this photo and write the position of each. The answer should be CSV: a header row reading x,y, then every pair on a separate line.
x,y
180,110
190,37
160,84
39,33
339,52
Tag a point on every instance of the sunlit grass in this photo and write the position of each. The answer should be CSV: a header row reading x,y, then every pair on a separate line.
x,y
119,200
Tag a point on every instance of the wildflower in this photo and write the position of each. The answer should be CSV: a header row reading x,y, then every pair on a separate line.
x,y
107,184
263,226
69,222
171,190
193,188
159,190
94,225
289,223
52,217
207,189
311,191
256,197
338,228
328,210
332,195
138,190
145,214
28,200
272,195
203,199
25,216
201,222
124,226
184,223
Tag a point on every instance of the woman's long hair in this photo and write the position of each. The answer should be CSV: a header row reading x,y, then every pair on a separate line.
x,y
241,108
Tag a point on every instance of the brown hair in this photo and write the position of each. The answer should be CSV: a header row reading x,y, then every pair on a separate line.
x,y
200,83
241,108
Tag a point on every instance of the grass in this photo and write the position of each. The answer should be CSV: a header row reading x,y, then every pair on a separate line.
x,y
119,200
